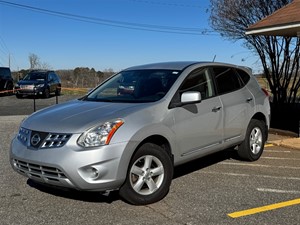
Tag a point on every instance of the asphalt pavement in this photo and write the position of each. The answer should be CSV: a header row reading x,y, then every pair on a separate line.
x,y
11,106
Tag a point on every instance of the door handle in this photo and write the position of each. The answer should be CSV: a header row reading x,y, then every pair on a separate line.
x,y
216,109
249,100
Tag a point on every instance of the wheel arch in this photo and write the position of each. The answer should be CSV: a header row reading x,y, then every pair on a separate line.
x,y
261,117
133,147
160,141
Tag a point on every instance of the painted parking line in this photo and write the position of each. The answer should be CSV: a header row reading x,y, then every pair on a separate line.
x,y
248,175
278,191
276,151
259,165
269,145
264,208
279,158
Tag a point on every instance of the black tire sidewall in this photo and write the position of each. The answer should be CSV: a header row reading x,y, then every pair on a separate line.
x,y
47,93
244,150
130,195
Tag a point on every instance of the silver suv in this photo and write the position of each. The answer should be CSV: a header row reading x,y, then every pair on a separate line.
x,y
130,141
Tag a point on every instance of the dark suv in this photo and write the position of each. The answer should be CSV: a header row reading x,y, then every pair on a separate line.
x,y
6,81
39,82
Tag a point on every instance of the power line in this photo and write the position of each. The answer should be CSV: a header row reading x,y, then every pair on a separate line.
x,y
4,50
6,53
4,46
167,3
113,23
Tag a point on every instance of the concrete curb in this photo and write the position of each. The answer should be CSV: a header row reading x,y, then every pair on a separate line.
x,y
292,143
284,138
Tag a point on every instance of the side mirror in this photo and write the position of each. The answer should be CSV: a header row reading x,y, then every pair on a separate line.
x,y
190,97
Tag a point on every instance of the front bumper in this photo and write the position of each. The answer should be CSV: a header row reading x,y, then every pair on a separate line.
x,y
100,169
29,90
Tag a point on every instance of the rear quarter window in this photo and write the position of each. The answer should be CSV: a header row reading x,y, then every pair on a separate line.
x,y
245,77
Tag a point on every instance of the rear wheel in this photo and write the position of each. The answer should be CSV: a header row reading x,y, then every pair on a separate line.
x,y
19,95
149,175
253,145
10,89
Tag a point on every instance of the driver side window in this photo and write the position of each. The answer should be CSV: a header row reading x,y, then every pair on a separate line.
x,y
199,80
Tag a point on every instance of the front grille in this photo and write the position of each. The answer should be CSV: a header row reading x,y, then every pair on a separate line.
x,y
38,171
42,140
55,140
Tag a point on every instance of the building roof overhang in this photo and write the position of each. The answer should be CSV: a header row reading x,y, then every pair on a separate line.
x,y
283,22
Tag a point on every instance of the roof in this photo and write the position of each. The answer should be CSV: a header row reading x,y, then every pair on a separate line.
x,y
181,65
283,22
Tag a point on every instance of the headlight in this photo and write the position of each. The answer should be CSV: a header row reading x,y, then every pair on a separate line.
x,y
99,135
40,85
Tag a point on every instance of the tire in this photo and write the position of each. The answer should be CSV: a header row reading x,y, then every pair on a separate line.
x,y
19,95
46,93
10,89
253,145
149,175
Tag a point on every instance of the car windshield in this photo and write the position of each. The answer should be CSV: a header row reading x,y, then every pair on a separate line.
x,y
35,76
135,86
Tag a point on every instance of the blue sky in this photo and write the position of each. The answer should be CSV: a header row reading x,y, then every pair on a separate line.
x,y
112,34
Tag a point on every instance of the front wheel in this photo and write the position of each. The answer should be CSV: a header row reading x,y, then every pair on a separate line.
x,y
149,175
253,145
46,93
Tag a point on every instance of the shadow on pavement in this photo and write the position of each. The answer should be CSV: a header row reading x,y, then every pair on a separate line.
x,y
74,194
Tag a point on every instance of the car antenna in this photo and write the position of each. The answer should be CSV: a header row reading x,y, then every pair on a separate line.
x,y
214,58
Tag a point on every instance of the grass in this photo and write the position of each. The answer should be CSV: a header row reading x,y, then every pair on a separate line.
x,y
75,91
264,84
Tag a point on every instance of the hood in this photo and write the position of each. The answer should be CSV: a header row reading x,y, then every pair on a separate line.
x,y
77,116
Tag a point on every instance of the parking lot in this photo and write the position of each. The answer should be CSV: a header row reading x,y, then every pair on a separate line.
x,y
213,190
205,192
10,105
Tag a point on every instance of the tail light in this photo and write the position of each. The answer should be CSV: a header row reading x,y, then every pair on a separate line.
x,y
266,92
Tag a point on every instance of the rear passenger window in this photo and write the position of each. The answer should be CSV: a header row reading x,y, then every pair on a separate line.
x,y
227,79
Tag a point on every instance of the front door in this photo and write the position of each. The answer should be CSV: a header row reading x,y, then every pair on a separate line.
x,y
199,127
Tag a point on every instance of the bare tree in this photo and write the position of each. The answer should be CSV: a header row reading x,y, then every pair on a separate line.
x,y
34,61
279,55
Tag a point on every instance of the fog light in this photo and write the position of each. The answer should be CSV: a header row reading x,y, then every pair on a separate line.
x,y
93,172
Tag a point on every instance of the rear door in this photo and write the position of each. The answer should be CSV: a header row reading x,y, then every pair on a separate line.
x,y
51,82
237,100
